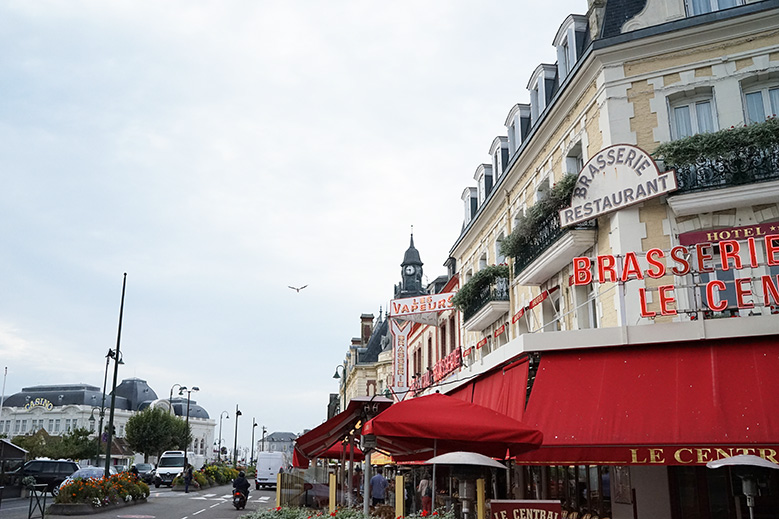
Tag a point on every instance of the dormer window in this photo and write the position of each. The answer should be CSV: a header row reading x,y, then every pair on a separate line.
x,y
569,42
542,85
696,7
483,177
518,125
469,202
499,151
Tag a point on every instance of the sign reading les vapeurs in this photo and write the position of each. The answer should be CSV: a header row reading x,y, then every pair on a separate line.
x,y
616,177
525,509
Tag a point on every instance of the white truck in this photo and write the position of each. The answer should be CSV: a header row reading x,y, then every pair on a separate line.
x,y
269,464
170,465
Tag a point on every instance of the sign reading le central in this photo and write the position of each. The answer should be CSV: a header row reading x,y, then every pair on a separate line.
x,y
616,177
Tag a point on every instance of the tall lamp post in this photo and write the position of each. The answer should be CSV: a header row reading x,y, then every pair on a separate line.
x,y
235,443
251,456
117,356
341,390
110,355
264,430
182,389
219,452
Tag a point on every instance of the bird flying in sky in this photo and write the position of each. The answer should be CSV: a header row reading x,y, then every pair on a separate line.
x,y
297,289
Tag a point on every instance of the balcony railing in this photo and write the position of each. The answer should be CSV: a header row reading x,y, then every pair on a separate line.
x,y
744,166
547,232
497,291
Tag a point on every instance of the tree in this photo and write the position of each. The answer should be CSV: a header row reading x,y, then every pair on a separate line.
x,y
154,431
74,444
35,444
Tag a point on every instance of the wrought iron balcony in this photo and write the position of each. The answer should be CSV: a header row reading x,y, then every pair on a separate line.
x,y
743,166
547,233
495,292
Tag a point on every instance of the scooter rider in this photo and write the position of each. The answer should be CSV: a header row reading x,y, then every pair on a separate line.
x,y
241,483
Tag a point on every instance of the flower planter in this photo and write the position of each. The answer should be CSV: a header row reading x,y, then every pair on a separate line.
x,y
87,509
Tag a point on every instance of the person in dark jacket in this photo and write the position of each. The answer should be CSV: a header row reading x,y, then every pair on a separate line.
x,y
241,483
187,478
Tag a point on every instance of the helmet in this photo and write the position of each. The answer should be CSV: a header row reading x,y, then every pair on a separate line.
x,y
242,474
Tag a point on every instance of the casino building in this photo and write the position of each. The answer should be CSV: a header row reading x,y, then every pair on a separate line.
x,y
626,229
60,408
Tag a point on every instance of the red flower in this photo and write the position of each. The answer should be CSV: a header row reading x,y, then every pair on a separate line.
x,y
424,513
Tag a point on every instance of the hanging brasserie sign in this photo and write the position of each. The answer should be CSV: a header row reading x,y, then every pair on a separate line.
x,y
616,177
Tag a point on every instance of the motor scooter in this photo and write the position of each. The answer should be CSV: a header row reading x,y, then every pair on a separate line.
x,y
239,499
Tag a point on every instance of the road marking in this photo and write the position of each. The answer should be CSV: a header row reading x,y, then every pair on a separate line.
x,y
263,498
199,511
215,504
201,498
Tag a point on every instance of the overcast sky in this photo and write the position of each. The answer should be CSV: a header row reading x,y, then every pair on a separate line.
x,y
220,151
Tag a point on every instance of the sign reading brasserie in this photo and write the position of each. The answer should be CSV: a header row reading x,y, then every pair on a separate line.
x,y
758,249
525,509
616,177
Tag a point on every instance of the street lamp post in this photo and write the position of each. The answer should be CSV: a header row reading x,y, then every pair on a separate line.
x,y
342,390
113,390
189,392
235,443
219,452
110,355
170,398
251,456
264,430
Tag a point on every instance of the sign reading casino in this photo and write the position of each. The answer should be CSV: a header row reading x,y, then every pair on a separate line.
x,y
616,177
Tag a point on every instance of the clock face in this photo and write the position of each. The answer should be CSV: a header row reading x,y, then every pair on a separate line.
x,y
410,270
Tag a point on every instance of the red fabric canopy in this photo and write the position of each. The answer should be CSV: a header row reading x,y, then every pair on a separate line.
x,y
502,390
318,440
679,403
419,428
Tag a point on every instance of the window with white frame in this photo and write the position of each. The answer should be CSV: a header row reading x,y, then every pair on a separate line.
x,y
692,113
483,261
696,7
499,256
586,306
543,187
761,102
574,159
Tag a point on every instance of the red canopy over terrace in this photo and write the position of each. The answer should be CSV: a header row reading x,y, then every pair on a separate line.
x,y
420,428
317,442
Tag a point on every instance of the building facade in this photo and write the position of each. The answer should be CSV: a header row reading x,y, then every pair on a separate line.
x,y
662,279
61,408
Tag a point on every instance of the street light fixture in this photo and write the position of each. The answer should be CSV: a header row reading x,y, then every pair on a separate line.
x,y
219,452
182,389
251,456
110,355
170,399
264,430
343,383
235,443
117,358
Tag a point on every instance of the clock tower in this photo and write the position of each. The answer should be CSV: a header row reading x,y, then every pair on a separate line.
x,y
411,274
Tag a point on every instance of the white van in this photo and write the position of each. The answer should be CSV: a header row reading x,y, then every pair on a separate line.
x,y
269,464
170,465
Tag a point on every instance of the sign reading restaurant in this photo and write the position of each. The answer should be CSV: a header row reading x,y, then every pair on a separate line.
x,y
616,177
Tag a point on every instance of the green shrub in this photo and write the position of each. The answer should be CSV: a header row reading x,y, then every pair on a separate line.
x,y
471,290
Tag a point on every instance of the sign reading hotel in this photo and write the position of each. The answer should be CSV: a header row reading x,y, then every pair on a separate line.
x,y
408,306
525,509
616,177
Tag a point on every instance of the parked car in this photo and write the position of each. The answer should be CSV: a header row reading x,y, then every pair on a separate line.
x,y
87,472
47,471
145,472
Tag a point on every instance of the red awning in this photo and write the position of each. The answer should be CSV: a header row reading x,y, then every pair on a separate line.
x,y
422,427
673,404
502,390
318,440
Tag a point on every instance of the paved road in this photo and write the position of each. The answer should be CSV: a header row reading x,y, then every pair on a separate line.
x,y
211,503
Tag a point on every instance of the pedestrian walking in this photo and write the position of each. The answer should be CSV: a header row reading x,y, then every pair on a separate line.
x,y
425,489
378,488
187,478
